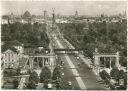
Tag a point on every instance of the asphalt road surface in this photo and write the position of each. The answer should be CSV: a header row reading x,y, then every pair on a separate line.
x,y
76,70
84,78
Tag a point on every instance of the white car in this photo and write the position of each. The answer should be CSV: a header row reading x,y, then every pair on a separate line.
x,y
78,57
70,83
62,74
49,85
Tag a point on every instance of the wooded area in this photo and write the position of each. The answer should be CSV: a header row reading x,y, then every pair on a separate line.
x,y
32,34
108,37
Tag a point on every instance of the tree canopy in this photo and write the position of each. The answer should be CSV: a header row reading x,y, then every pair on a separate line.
x,y
115,73
33,34
45,74
34,77
31,85
15,83
108,37
56,73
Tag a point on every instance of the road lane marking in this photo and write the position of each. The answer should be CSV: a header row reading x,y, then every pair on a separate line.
x,y
82,57
75,72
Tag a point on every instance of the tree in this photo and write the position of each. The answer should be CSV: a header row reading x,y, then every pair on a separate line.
x,y
34,77
125,80
10,72
56,73
115,73
123,75
29,71
45,75
58,86
18,71
31,85
15,83
40,62
25,33
104,75
62,84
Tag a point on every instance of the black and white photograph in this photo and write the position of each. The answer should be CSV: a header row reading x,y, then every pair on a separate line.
x,y
63,45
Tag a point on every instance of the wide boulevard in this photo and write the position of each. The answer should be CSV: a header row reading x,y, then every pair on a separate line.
x,y
75,70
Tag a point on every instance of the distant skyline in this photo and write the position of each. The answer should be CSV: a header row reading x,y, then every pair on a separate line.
x,y
92,8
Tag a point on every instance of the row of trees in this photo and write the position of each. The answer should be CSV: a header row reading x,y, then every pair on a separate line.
x,y
11,72
106,36
33,80
15,83
47,77
115,74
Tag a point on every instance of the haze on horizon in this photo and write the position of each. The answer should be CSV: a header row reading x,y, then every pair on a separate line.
x,y
92,8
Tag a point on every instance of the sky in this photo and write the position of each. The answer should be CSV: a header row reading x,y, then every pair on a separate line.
x,y
64,7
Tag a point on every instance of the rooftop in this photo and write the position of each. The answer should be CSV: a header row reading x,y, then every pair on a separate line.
x,y
10,45
5,48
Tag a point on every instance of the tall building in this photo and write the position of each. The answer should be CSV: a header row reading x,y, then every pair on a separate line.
x,y
53,17
45,15
76,14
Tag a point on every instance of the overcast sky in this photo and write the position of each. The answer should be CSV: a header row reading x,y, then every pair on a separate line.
x,y
64,7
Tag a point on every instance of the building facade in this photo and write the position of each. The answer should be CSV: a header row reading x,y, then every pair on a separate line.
x,y
10,59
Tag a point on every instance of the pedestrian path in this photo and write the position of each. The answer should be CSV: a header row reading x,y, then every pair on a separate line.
x,y
22,82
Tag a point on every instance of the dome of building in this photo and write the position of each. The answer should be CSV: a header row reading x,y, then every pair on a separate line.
x,y
26,15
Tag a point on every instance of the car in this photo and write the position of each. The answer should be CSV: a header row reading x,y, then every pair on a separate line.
x,y
62,63
77,57
49,86
69,83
